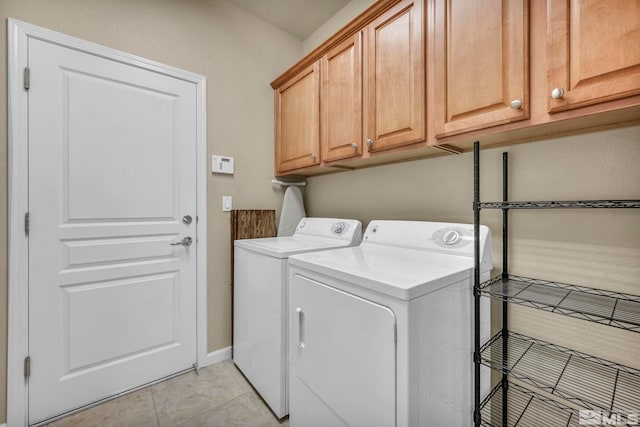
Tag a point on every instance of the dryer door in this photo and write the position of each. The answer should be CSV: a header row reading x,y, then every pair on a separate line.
x,y
343,358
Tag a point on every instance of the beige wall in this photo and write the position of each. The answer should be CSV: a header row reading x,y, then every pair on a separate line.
x,y
599,248
594,248
333,24
238,54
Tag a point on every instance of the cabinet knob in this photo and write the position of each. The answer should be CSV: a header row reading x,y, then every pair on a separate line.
x,y
354,145
369,142
516,104
557,93
314,157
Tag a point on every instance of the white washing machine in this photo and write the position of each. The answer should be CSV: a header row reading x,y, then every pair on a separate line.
x,y
382,334
260,301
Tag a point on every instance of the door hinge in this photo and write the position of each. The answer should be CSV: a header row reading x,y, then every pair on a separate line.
x,y
27,78
26,223
27,367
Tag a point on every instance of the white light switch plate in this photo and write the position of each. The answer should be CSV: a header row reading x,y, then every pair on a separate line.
x,y
221,164
227,203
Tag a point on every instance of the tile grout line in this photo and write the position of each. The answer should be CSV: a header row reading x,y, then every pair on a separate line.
x,y
155,408
225,402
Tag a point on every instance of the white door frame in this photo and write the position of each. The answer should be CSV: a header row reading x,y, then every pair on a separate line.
x,y
18,34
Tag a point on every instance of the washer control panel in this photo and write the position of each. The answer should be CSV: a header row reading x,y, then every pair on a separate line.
x,y
335,228
452,237
442,237
338,228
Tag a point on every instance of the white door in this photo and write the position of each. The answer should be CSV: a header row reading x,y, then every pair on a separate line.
x,y
112,173
343,358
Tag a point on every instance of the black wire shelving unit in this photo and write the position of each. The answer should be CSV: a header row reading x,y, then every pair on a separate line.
x,y
542,384
565,373
601,306
526,408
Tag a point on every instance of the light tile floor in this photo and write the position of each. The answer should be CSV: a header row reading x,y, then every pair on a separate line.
x,y
219,396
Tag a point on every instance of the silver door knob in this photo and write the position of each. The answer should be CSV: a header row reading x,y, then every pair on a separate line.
x,y
354,145
369,142
557,93
187,241
516,104
187,219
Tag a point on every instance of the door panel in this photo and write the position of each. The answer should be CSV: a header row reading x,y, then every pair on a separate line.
x,y
593,50
481,60
298,121
89,252
343,350
89,320
111,173
342,100
115,149
394,87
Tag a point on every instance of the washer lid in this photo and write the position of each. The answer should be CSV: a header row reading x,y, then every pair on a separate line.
x,y
283,247
312,234
402,273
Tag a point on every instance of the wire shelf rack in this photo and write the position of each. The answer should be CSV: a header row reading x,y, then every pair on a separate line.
x,y
603,204
596,305
526,408
553,376
581,379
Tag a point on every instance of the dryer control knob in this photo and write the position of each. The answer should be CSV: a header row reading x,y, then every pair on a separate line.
x,y
337,227
451,237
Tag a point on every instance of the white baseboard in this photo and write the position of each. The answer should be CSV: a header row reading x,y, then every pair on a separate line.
x,y
215,357
3,425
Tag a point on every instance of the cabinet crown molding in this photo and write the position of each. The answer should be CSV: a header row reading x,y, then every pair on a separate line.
x,y
348,30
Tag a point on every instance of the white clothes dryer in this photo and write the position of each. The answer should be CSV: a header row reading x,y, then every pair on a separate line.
x,y
260,300
382,334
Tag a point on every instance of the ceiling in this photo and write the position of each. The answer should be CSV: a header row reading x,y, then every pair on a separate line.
x,y
299,18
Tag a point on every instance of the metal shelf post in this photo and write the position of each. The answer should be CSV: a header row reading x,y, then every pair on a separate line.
x,y
477,418
505,277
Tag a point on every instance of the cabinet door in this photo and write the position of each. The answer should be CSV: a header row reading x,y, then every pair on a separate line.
x,y
297,112
594,51
481,64
394,106
342,100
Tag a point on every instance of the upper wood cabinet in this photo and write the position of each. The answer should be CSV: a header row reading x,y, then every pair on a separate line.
x,y
593,51
394,73
297,121
341,100
481,64
365,93
416,78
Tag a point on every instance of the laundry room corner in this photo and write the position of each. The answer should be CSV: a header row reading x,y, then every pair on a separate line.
x,y
217,40
319,213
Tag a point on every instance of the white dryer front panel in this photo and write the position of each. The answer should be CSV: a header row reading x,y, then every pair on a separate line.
x,y
343,357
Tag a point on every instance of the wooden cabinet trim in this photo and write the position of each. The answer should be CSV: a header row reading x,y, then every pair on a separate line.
x,y
514,73
348,30
414,132
616,84
311,157
620,110
349,108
